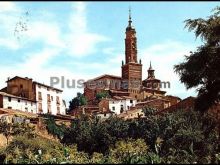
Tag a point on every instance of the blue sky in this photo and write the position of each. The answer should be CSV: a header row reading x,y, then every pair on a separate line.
x,y
81,40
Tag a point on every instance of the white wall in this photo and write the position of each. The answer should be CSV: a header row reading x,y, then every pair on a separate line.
x,y
53,102
22,105
117,104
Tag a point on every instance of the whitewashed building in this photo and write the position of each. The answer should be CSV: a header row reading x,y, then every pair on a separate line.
x,y
117,104
8,101
48,99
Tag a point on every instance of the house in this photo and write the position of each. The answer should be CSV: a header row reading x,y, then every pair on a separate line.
x,y
185,104
157,103
132,114
117,104
8,101
48,99
104,115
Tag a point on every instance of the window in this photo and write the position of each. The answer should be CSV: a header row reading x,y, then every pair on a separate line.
x,y
105,114
9,107
19,100
131,101
48,97
49,109
9,99
21,86
25,102
113,108
39,96
26,109
40,108
58,110
51,98
58,100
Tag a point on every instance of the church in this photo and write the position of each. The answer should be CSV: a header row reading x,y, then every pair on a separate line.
x,y
130,83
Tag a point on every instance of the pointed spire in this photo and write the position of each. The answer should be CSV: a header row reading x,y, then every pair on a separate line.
x,y
150,66
130,21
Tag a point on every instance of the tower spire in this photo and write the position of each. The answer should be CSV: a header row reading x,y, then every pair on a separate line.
x,y
129,21
150,66
151,72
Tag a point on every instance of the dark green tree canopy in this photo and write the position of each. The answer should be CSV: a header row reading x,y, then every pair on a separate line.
x,y
79,100
201,68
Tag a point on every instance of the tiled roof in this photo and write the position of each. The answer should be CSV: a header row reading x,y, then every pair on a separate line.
x,y
105,75
13,96
26,78
18,112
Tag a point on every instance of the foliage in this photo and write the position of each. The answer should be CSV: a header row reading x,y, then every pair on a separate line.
x,y
53,128
23,150
178,137
181,136
127,151
79,100
90,135
103,94
12,129
201,68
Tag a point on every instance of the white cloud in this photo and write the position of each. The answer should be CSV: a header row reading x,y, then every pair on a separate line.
x,y
54,42
80,41
48,32
7,6
163,57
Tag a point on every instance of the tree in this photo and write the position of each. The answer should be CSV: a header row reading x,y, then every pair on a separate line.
x,y
101,95
201,68
79,100
12,129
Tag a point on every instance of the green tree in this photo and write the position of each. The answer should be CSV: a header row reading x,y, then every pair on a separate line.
x,y
13,129
201,68
79,100
101,95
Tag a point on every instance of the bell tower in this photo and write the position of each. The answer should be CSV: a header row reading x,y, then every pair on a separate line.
x,y
130,42
131,69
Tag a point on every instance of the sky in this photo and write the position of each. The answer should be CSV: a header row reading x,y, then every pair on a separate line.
x,y
82,40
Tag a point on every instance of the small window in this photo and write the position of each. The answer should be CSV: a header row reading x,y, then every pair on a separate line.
x,y
105,114
26,109
51,98
113,108
21,86
19,100
9,99
9,107
131,101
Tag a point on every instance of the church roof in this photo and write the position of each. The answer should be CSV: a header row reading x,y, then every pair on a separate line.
x,y
151,79
104,76
150,89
